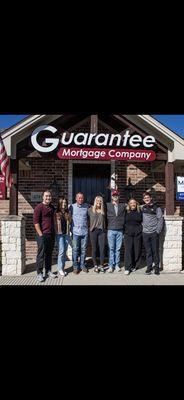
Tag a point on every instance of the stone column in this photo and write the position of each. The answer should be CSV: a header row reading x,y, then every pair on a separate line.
x,y
13,245
172,246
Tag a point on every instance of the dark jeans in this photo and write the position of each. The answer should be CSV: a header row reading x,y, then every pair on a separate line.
x,y
133,251
151,244
44,255
98,240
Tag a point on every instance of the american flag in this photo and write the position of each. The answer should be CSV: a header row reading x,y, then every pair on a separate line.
x,y
5,164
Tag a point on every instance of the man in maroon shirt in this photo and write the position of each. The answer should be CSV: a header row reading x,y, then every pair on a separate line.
x,y
43,220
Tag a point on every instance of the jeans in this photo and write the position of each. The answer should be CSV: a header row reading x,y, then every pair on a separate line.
x,y
44,255
115,239
79,250
62,242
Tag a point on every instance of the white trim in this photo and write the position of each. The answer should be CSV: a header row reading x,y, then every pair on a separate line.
x,y
170,156
26,123
20,131
163,129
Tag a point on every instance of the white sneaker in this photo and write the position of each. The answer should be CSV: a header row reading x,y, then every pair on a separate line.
x,y
40,278
110,270
62,273
49,274
117,269
127,272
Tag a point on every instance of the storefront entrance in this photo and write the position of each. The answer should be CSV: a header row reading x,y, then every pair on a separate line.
x,y
91,180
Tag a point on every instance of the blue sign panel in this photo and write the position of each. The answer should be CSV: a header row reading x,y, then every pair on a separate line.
x,y
180,188
180,196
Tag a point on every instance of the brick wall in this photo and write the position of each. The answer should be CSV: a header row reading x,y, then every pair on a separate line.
x,y
143,178
39,178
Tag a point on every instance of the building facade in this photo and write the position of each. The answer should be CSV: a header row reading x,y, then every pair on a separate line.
x,y
67,172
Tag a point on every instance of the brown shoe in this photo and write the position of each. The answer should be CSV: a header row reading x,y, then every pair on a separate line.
x,y
75,271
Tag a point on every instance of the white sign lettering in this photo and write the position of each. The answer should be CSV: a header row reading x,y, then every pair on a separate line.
x,y
89,139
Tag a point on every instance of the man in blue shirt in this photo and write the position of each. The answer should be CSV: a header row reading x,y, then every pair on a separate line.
x,y
79,212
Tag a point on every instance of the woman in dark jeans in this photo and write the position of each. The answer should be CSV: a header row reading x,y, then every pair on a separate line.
x,y
133,236
98,232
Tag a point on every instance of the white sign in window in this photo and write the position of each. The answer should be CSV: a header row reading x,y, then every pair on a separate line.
x,y
36,197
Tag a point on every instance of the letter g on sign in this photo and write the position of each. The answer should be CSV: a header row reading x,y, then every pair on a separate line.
x,y
36,145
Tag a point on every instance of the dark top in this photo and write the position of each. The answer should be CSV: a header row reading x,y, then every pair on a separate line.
x,y
97,220
63,224
115,222
44,215
133,223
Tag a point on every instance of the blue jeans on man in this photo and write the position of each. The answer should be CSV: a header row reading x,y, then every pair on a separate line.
x,y
115,240
80,243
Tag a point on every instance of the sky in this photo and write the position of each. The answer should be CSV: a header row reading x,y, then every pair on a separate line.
x,y
174,122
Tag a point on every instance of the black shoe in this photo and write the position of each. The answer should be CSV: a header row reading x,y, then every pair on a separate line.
x,y
157,272
148,271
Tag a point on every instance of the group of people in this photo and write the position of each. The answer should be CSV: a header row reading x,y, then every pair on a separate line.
x,y
107,223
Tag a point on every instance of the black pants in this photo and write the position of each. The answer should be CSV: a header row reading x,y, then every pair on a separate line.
x,y
98,240
44,255
151,244
133,251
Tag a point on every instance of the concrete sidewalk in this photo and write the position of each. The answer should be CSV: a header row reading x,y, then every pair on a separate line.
x,y
103,279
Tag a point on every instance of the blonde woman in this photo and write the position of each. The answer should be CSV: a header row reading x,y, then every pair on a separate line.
x,y
133,236
98,232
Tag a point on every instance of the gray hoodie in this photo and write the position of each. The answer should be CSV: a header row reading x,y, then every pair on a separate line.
x,y
153,220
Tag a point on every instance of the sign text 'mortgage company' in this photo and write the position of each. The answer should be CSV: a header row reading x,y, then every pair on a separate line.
x,y
101,146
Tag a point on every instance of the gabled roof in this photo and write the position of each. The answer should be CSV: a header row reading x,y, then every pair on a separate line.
x,y
154,122
17,132
25,123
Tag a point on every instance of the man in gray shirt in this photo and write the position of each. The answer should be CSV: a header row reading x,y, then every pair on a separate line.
x,y
152,227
